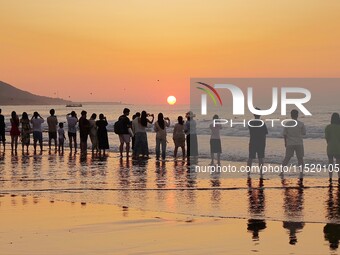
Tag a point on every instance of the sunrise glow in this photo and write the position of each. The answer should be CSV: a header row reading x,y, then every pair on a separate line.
x,y
171,100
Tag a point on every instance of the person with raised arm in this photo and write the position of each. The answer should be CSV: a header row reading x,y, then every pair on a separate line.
x,y
37,121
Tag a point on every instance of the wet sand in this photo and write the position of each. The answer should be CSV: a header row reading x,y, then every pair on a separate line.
x,y
33,225
62,204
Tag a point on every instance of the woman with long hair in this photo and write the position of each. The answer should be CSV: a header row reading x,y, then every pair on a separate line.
x,y
103,141
25,131
15,132
332,135
94,132
179,137
141,139
160,128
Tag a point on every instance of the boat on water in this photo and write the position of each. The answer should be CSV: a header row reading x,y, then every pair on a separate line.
x,y
74,105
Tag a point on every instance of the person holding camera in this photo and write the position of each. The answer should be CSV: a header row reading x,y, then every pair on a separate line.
x,y
36,121
141,139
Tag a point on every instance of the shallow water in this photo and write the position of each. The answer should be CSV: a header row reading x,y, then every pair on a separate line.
x,y
171,186
234,140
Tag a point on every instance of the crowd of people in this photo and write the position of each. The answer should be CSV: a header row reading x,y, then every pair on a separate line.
x,y
293,141
96,130
184,135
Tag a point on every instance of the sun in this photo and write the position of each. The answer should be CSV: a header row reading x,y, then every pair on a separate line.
x,y
171,100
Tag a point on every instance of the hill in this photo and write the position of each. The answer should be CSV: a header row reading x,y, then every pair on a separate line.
x,y
10,95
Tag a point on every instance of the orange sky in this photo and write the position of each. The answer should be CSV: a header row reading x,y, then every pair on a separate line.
x,y
117,50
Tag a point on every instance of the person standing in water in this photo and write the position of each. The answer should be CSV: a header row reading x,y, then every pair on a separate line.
x,y
72,121
179,137
135,127
52,123
124,136
160,128
257,143
103,140
36,121
84,130
141,142
293,138
2,129
15,132
61,138
93,133
25,131
215,141
190,131
332,135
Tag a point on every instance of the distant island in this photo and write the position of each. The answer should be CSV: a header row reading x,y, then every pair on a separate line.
x,y
10,95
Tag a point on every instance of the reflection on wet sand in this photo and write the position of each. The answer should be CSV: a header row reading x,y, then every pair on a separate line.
x,y
256,199
332,230
174,187
293,204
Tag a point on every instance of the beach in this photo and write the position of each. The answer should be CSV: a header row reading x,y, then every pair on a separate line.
x,y
69,203
34,225
62,204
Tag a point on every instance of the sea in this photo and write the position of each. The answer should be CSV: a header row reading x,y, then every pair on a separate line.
x,y
234,139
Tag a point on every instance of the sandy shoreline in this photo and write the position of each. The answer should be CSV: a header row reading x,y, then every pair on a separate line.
x,y
53,204
34,225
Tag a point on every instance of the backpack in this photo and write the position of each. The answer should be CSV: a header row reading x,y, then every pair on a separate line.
x,y
118,127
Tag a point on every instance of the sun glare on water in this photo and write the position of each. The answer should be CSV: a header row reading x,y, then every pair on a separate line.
x,y
171,100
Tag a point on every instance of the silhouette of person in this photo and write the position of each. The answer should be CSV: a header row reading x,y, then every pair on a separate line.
x,y
293,206
25,131
332,135
215,141
160,128
93,133
72,121
84,131
103,140
134,126
293,138
37,121
191,136
52,123
124,137
257,142
141,138
2,130
179,137
256,199
14,132
61,138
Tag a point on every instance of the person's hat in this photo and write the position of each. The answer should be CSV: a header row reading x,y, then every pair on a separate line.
x,y
190,114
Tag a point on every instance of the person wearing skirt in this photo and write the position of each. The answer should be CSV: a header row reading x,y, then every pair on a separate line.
x,y
25,131
14,132
141,139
